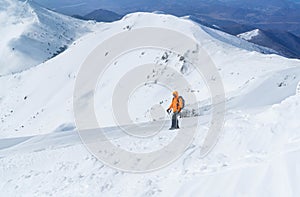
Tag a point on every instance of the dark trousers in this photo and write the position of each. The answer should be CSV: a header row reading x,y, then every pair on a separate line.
x,y
175,120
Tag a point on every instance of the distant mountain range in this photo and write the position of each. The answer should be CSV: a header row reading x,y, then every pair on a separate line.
x,y
100,15
263,14
277,20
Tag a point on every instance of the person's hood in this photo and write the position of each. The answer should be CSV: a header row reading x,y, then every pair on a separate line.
x,y
176,93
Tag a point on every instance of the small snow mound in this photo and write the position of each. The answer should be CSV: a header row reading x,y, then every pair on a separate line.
x,y
298,89
158,12
249,35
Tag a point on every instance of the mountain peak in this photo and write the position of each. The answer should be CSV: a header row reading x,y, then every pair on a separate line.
x,y
100,15
249,35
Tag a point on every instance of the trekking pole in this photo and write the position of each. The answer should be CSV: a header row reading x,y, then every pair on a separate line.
x,y
169,116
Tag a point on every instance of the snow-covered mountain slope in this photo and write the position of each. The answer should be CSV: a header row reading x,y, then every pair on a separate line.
x,y
41,153
30,108
31,35
284,43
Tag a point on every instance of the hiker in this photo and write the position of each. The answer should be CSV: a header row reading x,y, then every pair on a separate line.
x,y
176,106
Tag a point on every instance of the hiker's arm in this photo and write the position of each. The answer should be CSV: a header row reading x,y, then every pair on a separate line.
x,y
169,109
171,105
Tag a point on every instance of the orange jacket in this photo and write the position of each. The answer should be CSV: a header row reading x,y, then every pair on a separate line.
x,y
176,104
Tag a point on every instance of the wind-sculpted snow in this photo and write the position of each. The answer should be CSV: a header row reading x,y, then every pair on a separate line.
x,y
265,162
31,35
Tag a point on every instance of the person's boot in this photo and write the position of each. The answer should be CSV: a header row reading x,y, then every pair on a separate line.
x,y
177,125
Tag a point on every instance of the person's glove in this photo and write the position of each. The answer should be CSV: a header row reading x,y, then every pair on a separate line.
x,y
168,111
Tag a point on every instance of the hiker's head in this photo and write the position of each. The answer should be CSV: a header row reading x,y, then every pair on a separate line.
x,y
175,94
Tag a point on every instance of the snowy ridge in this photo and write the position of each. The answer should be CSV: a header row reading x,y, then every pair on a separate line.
x,y
236,42
24,96
258,152
284,43
33,35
